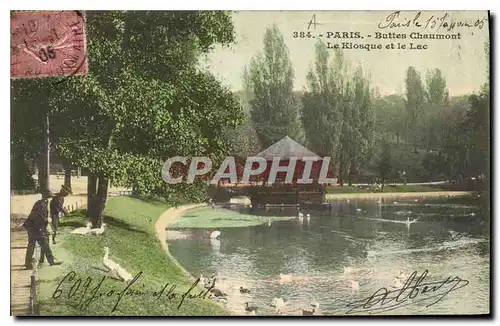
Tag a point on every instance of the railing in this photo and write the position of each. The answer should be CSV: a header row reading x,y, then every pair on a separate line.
x,y
74,207
24,192
33,309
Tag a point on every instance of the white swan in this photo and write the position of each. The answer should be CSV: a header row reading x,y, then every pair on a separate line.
x,y
300,216
308,217
397,283
408,222
354,285
214,235
269,222
358,209
115,268
278,303
347,270
203,280
285,278
97,231
83,230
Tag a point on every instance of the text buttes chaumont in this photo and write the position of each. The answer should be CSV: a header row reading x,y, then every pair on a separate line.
x,y
396,36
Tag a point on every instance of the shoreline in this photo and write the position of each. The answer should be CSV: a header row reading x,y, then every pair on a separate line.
x,y
167,218
432,194
171,216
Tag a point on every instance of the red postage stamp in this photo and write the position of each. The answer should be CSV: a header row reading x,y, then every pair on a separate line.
x,y
47,44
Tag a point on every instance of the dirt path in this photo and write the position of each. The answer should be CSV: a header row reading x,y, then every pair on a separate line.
x,y
20,277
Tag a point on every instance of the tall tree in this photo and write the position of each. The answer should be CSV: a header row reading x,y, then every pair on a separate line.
x,y
363,123
269,80
384,166
436,104
415,102
320,111
145,100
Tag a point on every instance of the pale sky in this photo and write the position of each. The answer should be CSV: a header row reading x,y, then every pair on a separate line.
x,y
462,61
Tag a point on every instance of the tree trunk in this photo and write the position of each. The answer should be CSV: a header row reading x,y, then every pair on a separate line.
x,y
42,172
91,191
101,198
67,175
383,184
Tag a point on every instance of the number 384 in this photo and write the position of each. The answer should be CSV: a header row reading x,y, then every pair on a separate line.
x,y
302,35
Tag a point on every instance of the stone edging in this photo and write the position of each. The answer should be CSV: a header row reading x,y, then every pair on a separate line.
x,y
169,217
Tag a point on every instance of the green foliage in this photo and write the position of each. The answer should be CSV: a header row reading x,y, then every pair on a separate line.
x,y
337,112
415,102
269,89
145,99
390,116
385,162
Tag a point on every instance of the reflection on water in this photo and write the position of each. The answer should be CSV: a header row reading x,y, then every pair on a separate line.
x,y
347,252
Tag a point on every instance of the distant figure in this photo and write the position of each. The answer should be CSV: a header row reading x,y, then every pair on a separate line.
x,y
36,226
211,203
57,208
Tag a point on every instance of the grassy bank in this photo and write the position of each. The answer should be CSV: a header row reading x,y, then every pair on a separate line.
x,y
223,218
131,238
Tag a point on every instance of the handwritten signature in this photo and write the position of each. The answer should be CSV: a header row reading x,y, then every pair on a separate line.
x,y
444,21
385,300
80,288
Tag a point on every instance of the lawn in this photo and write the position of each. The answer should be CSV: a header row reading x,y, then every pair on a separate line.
x,y
223,218
131,238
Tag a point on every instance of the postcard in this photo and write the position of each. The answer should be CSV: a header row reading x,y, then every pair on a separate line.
x,y
250,163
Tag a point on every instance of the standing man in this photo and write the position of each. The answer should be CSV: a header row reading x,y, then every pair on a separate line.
x,y
57,208
36,225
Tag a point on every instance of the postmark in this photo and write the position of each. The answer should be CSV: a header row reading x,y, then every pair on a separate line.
x,y
47,44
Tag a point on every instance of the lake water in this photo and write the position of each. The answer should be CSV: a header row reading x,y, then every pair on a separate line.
x,y
347,253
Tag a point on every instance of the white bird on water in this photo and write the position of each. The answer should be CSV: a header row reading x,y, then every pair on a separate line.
x,y
269,222
308,217
397,283
408,222
354,285
278,303
214,235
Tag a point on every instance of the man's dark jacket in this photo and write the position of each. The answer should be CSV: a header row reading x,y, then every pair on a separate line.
x,y
38,218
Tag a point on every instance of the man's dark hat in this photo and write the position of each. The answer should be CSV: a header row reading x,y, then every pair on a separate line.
x,y
47,194
67,189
